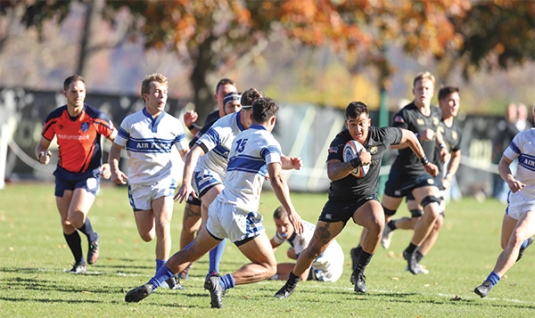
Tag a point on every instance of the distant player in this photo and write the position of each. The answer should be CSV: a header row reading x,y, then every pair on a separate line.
x,y
77,128
352,198
449,102
518,226
254,155
328,267
151,138
191,220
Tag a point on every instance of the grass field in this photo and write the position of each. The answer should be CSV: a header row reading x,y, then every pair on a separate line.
x,y
34,258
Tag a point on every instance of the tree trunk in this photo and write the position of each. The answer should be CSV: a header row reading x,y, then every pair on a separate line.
x,y
202,93
94,9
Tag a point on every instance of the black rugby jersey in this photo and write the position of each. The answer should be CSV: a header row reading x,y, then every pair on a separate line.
x,y
350,187
410,117
452,139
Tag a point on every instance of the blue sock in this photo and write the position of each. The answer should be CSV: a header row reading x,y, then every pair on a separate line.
x,y
525,243
161,276
215,256
159,264
227,282
493,278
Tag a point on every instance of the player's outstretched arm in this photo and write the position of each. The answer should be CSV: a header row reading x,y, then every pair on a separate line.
x,y
114,156
291,163
189,166
507,176
280,187
41,151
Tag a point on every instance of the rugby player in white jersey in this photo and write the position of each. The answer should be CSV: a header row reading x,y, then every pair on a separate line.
x,y
151,137
234,214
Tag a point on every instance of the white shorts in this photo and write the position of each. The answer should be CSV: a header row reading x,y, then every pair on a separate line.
x,y
226,220
330,263
519,203
141,196
204,180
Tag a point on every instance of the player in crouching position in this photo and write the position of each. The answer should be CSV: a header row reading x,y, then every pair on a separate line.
x,y
233,213
351,197
518,226
327,267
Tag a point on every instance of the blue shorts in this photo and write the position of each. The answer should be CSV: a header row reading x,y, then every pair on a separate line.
x,y
65,180
400,184
342,211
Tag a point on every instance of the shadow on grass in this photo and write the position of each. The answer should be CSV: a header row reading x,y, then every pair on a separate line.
x,y
69,301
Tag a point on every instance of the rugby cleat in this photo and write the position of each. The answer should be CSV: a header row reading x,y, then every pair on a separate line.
x,y
93,252
174,283
139,293
286,290
412,264
522,249
78,268
386,237
216,291
359,280
483,289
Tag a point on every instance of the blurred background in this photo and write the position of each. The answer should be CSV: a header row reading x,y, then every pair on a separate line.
x,y
312,56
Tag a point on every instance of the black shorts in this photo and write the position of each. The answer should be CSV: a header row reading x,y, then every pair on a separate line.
x,y
438,183
336,211
400,184
193,201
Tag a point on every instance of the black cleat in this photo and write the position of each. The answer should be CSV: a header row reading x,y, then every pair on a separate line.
x,y
78,268
412,264
139,293
93,252
174,283
522,249
359,279
286,290
483,289
216,292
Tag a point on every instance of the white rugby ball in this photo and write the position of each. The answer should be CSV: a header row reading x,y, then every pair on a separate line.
x,y
352,150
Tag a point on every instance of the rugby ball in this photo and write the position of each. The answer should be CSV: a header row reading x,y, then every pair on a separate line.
x,y
352,150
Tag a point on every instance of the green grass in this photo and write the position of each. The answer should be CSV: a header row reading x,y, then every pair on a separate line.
x,y
34,258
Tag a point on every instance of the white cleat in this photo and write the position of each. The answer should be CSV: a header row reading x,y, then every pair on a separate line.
x,y
386,238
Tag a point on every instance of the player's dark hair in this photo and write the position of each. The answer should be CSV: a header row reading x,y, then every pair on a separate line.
x,y
249,96
446,91
263,109
279,212
224,81
354,109
71,79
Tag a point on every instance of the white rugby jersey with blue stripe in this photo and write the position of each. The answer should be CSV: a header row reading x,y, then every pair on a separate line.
x,y
149,144
252,150
523,148
216,143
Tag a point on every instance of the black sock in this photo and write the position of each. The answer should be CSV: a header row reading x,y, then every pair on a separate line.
x,y
391,224
411,249
363,261
419,256
357,251
293,279
74,242
87,229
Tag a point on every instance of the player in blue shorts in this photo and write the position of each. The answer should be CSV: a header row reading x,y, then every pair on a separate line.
x,y
77,128
191,219
254,155
352,198
518,225
449,103
152,139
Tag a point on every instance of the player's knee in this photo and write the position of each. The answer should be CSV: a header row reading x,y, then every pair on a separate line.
x,y
147,236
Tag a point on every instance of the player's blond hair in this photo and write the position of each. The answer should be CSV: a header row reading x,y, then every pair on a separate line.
x,y
154,77
421,76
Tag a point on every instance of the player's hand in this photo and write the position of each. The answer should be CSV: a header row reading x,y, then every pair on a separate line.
x,y
365,157
427,135
296,162
446,183
44,157
118,177
515,185
297,223
105,171
431,169
185,190
190,117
